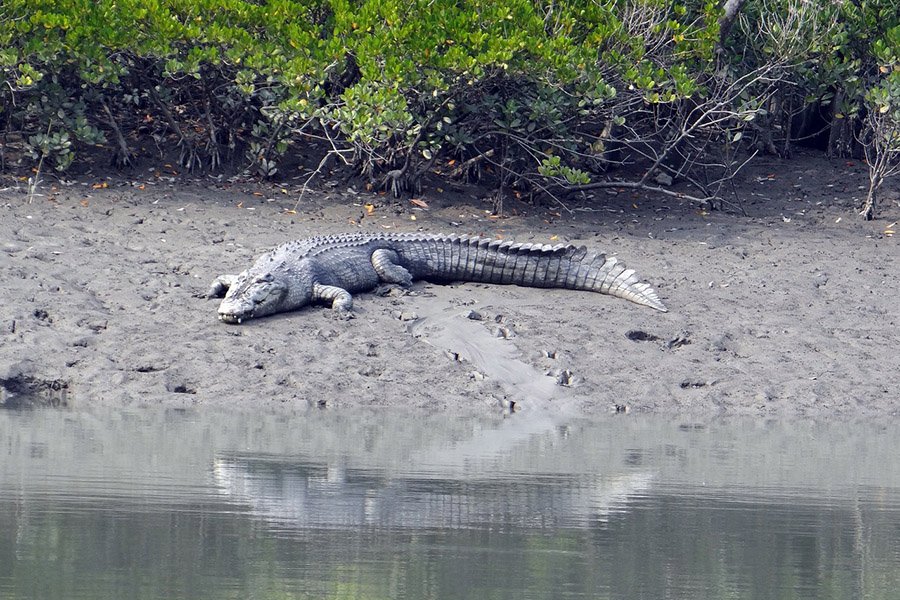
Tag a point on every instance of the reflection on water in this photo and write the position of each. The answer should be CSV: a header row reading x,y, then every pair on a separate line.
x,y
167,504
303,495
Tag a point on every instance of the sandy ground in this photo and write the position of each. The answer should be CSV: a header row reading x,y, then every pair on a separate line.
x,y
791,309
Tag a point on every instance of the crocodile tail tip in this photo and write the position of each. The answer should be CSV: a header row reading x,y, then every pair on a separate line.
x,y
643,294
651,300
658,305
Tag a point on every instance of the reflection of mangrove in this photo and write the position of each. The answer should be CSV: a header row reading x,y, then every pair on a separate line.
x,y
314,495
674,542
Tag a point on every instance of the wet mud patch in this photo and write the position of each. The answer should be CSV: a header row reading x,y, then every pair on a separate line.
x,y
483,343
23,391
637,335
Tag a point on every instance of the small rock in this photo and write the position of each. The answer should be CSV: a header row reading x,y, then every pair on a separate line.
x,y
94,325
696,384
476,376
181,388
764,397
565,377
325,334
503,333
663,179
820,280
474,315
506,404
392,291
405,315
682,339
720,344
341,314
369,371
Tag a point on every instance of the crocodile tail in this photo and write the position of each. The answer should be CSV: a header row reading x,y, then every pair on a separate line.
x,y
539,265
608,275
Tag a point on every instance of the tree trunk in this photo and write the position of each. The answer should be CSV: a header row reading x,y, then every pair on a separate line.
x,y
731,8
839,135
868,209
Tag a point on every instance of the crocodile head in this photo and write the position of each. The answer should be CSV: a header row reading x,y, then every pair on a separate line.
x,y
254,295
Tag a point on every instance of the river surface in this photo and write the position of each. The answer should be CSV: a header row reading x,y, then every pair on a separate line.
x,y
204,504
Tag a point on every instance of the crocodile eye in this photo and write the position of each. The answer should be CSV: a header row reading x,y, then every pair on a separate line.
x,y
267,278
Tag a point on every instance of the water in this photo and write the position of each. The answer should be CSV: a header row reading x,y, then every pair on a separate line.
x,y
204,504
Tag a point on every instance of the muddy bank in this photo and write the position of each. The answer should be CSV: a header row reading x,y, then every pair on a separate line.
x,y
791,309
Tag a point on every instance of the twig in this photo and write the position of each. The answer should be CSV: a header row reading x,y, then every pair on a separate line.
x,y
637,185
532,181
212,145
323,164
463,167
33,182
124,154
187,148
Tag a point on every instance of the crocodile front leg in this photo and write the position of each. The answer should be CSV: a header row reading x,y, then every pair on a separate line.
x,y
341,300
220,285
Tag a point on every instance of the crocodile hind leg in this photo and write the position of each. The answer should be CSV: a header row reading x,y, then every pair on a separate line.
x,y
341,300
385,263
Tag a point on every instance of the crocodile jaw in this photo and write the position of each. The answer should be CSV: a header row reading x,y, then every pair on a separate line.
x,y
232,318
233,311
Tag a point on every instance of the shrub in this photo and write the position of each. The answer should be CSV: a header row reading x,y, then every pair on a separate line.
x,y
544,95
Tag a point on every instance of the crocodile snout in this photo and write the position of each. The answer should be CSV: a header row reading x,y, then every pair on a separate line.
x,y
230,318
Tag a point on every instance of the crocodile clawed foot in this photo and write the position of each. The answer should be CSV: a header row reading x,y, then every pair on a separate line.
x,y
342,314
391,290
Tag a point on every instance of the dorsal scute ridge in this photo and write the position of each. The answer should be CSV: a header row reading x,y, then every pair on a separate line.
x,y
599,259
313,246
576,253
510,247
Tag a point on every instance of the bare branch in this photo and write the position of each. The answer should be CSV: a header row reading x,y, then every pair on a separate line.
x,y
637,185
726,21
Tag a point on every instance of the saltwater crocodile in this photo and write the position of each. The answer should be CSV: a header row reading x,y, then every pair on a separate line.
x,y
330,268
